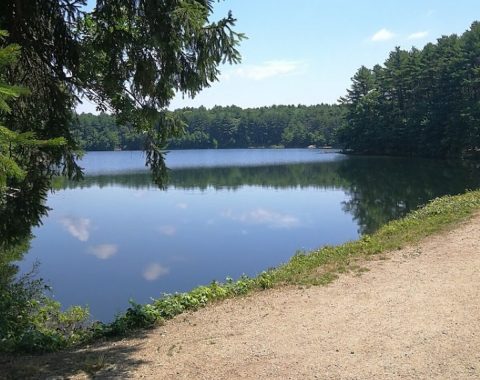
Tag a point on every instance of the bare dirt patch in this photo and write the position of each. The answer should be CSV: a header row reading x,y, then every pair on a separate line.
x,y
414,314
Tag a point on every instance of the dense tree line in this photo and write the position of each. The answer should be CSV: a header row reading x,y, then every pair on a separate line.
x,y
420,102
223,127
101,132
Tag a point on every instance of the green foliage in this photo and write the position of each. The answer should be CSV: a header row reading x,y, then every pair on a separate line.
x,y
8,166
171,305
36,323
420,102
14,146
30,321
222,127
136,316
233,127
8,56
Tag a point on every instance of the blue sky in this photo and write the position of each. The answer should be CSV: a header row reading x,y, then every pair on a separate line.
x,y
306,51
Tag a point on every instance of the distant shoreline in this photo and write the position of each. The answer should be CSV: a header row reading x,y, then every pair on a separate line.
x,y
236,148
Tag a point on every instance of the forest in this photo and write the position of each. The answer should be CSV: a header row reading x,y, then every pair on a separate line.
x,y
419,102
222,127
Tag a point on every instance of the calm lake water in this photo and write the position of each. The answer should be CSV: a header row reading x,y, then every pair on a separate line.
x,y
116,236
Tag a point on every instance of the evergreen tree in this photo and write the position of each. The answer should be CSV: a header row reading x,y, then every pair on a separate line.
x,y
17,149
420,102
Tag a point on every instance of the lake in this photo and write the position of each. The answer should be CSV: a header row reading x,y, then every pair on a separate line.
x,y
115,236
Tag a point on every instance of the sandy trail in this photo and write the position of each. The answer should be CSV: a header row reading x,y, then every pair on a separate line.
x,y
413,316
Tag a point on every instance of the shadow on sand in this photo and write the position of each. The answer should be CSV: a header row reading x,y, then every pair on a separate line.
x,y
109,359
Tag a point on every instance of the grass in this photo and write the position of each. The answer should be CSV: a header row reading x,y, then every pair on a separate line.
x,y
322,266
319,267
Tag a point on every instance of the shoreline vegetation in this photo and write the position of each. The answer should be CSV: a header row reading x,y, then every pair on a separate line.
x,y
290,126
51,330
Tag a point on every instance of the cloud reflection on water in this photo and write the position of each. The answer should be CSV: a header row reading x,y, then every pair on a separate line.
x,y
261,216
79,228
155,271
103,251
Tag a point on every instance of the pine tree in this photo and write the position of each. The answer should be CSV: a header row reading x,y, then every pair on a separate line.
x,y
15,147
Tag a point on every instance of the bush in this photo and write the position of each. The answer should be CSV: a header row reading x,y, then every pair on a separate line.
x,y
31,321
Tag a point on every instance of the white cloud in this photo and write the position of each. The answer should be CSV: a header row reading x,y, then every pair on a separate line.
x,y
382,35
154,271
79,228
418,35
103,251
167,230
182,205
270,69
269,218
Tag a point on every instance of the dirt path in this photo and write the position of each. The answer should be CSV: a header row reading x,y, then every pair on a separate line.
x,y
415,315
